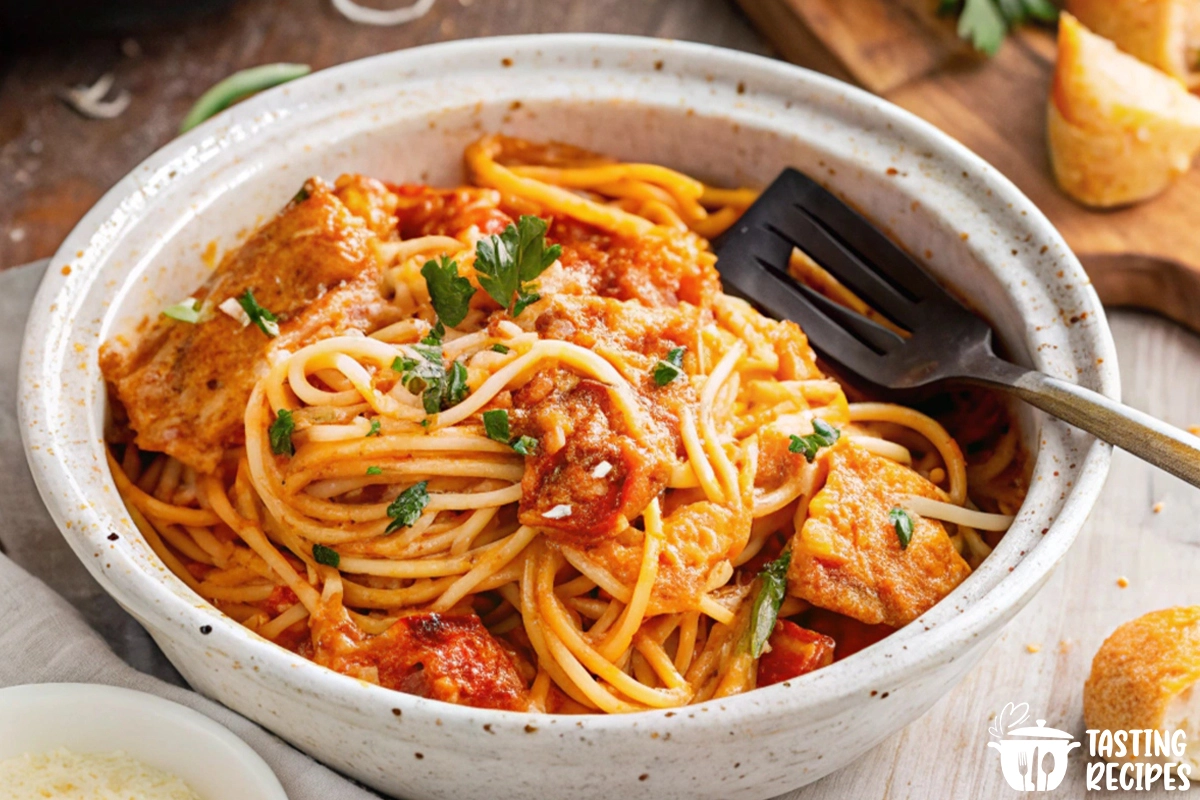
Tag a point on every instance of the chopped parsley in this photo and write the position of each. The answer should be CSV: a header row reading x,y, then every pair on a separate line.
x,y
436,334
903,524
508,263
450,292
407,507
823,435
302,195
188,310
772,588
500,348
267,322
495,425
985,23
670,368
280,433
427,376
326,555
375,426
374,471
526,445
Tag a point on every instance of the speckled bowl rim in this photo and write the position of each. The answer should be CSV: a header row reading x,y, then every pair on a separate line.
x,y
941,633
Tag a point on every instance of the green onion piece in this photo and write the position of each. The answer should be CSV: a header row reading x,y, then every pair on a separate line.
x,y
186,311
238,86
500,348
526,445
326,555
267,322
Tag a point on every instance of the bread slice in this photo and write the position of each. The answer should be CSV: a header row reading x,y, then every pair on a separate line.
x,y
1145,677
1163,33
1119,130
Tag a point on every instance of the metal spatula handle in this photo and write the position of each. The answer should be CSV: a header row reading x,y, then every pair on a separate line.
x,y
1152,440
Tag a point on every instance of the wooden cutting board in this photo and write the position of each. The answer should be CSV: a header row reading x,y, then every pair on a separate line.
x,y
1147,256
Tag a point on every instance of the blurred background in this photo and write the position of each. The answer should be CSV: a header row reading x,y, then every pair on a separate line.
x,y
54,163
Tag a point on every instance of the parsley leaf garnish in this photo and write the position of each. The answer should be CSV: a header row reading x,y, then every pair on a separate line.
x,y
671,368
440,387
450,292
435,336
326,555
374,429
772,588
508,263
985,23
188,310
526,445
903,524
823,435
407,507
495,425
280,433
374,471
500,348
267,322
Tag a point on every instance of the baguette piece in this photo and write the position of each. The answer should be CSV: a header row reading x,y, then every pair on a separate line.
x,y
1163,33
1144,677
1119,131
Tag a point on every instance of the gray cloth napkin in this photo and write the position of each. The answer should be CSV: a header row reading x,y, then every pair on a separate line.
x,y
45,637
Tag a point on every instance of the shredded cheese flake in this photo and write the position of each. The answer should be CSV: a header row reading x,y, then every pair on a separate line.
x,y
602,469
560,511
231,307
65,775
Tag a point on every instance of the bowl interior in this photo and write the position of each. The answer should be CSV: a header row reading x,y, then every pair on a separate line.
x,y
406,117
88,718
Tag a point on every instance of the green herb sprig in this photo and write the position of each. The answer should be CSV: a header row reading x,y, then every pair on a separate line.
x,y
280,433
903,523
407,507
670,368
772,588
450,292
507,264
823,435
326,555
440,387
985,23
267,322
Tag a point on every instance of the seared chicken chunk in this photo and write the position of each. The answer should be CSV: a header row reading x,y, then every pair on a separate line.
x,y
186,386
847,557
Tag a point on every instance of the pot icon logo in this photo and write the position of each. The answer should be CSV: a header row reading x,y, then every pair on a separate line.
x,y
1033,759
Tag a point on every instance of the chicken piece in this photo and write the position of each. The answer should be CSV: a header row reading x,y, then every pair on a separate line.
x,y
1119,131
442,657
794,651
847,556
567,489
185,386
1163,33
1144,677
697,537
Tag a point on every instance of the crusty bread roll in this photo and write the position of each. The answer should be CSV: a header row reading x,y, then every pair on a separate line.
x,y
1119,131
1164,33
1144,677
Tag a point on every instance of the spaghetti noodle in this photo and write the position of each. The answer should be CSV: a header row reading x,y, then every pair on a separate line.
x,y
510,445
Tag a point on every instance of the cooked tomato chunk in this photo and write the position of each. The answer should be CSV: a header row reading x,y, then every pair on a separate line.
x,y
443,657
793,652
847,556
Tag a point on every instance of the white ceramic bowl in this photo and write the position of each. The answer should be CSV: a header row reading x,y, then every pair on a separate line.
x,y
90,718
732,118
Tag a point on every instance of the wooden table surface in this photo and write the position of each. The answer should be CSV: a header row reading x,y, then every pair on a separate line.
x,y
54,165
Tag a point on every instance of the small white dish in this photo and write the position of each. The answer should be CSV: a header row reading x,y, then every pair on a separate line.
x,y
91,718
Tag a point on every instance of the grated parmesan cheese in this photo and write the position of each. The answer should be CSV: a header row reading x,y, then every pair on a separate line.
x,y
64,775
